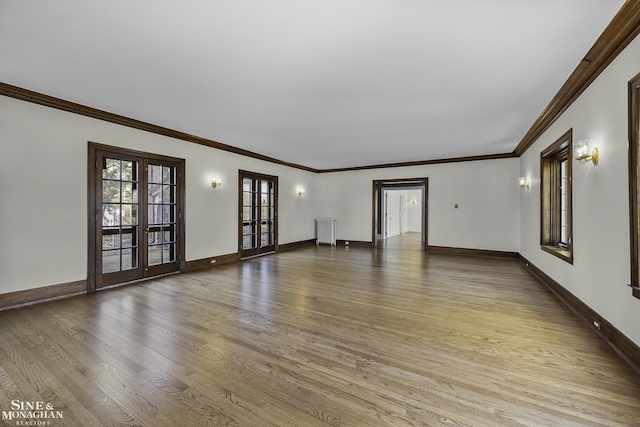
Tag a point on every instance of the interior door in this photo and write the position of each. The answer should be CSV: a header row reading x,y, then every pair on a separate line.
x,y
161,226
258,214
136,205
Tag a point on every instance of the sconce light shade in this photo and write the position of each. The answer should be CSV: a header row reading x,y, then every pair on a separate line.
x,y
216,183
300,192
413,201
584,153
524,183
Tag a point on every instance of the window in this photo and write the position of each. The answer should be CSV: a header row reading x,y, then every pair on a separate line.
x,y
634,176
556,220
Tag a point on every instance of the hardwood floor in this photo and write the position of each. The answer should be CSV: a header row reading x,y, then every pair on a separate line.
x,y
319,336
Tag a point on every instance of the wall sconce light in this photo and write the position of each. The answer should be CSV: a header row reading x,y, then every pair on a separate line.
x,y
524,183
583,154
216,183
300,192
413,201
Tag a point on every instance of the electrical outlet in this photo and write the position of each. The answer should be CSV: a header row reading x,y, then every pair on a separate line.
x,y
596,324
346,243
213,261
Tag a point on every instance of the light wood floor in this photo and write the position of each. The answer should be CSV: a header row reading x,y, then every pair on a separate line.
x,y
315,337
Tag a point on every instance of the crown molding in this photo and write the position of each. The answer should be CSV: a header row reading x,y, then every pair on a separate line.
x,y
422,162
624,27
72,107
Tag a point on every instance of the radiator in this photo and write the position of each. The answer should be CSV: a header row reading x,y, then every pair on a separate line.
x,y
326,231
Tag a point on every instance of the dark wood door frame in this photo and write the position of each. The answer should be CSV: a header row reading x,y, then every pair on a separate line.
x,y
381,184
94,198
258,250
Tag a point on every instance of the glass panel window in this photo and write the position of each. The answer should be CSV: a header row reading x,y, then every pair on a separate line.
x,y
258,209
135,215
129,214
129,260
111,240
119,214
564,203
129,170
161,214
111,169
110,191
110,261
155,174
129,192
155,254
556,213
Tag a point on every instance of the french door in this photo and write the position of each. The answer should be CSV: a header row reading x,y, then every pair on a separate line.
x,y
258,229
135,215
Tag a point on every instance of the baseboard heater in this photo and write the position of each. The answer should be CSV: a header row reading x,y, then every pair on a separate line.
x,y
326,231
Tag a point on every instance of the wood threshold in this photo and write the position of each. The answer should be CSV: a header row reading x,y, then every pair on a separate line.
x,y
622,345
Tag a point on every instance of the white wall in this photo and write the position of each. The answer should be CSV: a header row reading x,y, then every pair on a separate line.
x,y
414,212
601,269
486,193
43,193
43,188
393,212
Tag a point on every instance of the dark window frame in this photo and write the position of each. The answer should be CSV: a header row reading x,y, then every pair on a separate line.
x,y
550,198
634,186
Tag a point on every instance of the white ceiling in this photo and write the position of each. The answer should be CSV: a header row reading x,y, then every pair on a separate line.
x,y
324,84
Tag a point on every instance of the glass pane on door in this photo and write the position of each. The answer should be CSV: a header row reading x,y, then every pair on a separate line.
x,y
119,229
258,212
267,211
161,214
249,214
135,209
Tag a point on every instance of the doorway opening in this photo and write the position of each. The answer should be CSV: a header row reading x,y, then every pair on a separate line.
x,y
400,208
